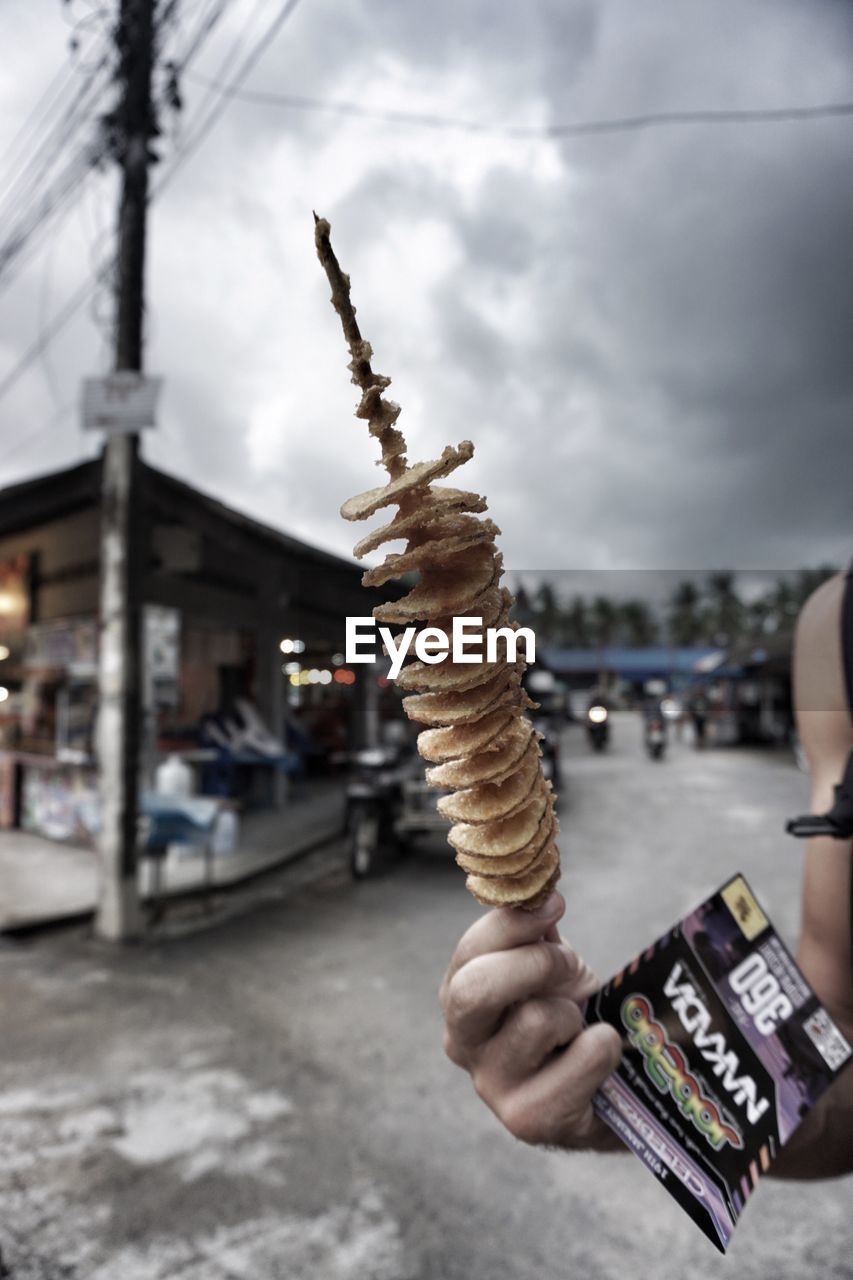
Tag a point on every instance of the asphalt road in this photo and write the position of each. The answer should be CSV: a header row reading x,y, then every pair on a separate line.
x,y
268,1097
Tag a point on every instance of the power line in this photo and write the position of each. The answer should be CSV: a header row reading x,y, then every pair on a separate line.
x,y
581,128
42,107
20,186
215,10
89,287
254,55
26,441
55,326
48,205
40,190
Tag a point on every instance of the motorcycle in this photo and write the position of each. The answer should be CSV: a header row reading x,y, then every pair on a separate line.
x,y
598,726
373,799
654,736
388,804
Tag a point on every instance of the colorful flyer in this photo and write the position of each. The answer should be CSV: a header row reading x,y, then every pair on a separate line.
x,y
727,1049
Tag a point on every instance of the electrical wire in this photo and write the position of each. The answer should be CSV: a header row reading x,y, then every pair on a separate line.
x,y
286,11
72,305
19,187
89,288
580,128
24,236
38,193
21,140
38,435
234,89
215,10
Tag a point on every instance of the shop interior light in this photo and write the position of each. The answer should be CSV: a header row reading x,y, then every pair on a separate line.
x,y
298,646
4,652
294,678
4,693
291,668
344,676
338,659
325,677
286,646
313,676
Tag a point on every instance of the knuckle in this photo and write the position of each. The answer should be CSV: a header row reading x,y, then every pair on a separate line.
x,y
520,1119
543,962
571,1021
533,1020
470,988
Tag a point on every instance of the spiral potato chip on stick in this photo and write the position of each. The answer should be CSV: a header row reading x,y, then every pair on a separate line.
x,y
481,747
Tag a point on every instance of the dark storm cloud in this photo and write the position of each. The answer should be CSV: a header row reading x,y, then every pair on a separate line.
x,y
647,334
692,299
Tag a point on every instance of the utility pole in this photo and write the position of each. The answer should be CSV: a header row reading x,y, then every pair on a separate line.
x,y
132,126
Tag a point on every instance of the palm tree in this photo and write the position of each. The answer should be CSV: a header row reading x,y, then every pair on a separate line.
x,y
726,609
638,623
547,612
576,625
604,618
684,621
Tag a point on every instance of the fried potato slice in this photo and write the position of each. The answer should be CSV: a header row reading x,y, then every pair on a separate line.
x,y
413,479
443,506
490,801
426,554
506,836
511,863
457,741
511,891
486,766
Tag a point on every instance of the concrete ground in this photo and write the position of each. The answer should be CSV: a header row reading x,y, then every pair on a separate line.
x,y
268,1098
43,881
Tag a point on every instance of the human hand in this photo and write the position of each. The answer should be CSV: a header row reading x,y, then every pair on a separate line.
x,y
511,1001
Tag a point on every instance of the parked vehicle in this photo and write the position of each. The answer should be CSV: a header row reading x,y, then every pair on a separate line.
x,y
374,797
388,804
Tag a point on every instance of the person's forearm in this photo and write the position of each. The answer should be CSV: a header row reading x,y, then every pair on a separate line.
x,y
822,1147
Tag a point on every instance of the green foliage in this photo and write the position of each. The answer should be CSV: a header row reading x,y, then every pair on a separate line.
x,y
711,612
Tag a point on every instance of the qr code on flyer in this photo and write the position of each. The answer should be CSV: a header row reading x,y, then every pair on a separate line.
x,y
827,1039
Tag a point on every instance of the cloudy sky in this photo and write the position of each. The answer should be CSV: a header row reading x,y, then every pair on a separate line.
x,y
648,334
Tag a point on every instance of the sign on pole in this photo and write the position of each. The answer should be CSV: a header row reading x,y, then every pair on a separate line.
x,y
120,402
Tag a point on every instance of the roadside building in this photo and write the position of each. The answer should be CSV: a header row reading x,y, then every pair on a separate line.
x,y
244,634
754,692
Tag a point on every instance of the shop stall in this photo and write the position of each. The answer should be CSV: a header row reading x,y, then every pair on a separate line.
x,y
243,627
